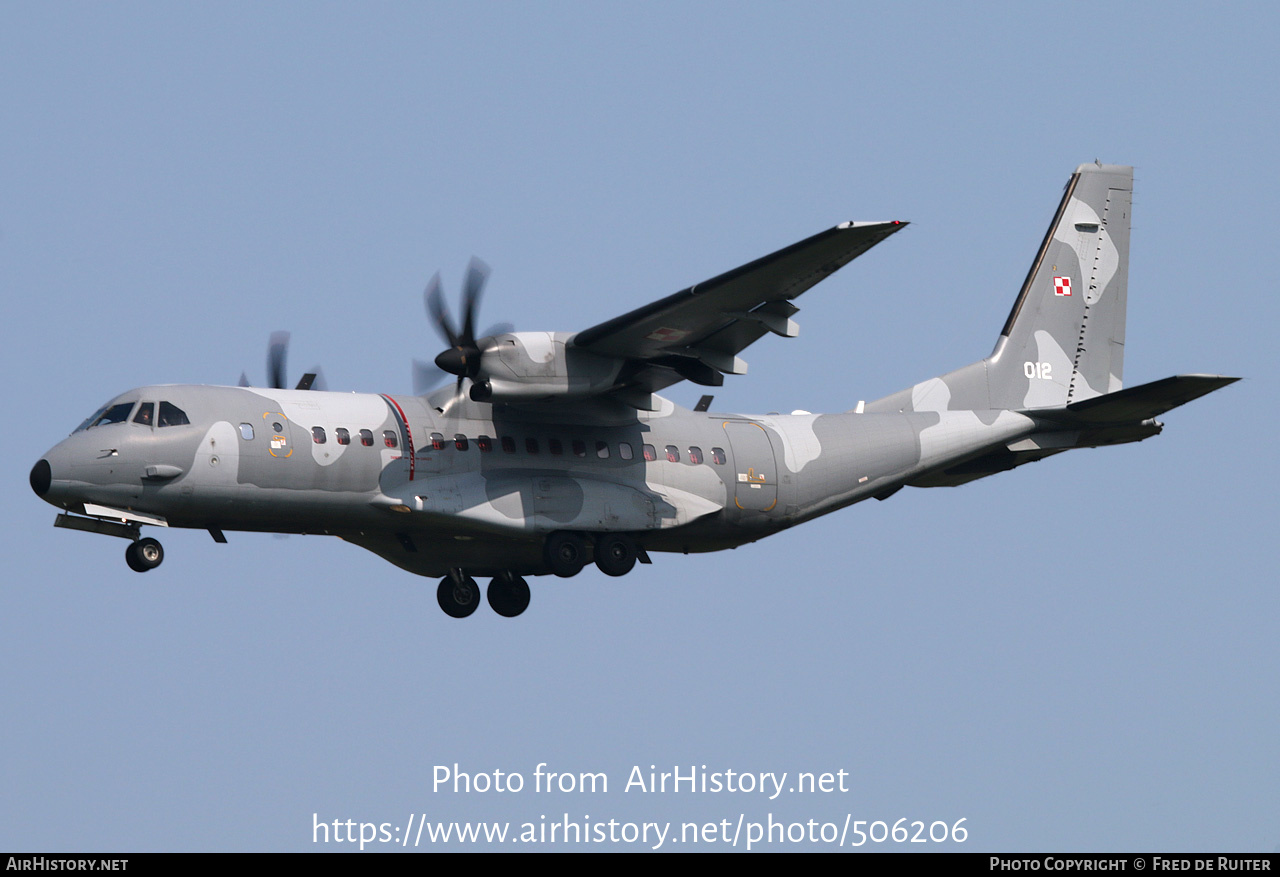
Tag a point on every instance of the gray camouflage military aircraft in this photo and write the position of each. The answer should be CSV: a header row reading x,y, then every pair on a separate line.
x,y
560,452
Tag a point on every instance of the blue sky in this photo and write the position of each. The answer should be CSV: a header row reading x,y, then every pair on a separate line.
x,y
1078,655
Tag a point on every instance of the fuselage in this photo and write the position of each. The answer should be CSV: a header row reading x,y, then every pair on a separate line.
x,y
434,486
553,450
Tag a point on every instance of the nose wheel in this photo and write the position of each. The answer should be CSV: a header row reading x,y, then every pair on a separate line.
x,y
143,555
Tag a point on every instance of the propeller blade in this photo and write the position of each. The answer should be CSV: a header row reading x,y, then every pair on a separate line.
x,y
472,289
438,311
462,356
426,377
456,398
277,355
498,329
277,352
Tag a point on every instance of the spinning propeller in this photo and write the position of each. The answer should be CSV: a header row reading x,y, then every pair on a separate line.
x,y
277,354
463,355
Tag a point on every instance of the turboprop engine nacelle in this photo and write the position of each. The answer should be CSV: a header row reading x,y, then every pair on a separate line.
x,y
519,366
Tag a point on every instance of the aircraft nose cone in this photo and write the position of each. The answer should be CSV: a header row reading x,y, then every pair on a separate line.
x,y
41,477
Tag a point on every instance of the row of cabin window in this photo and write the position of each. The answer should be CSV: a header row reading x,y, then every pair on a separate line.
x,y
343,436
578,447
555,446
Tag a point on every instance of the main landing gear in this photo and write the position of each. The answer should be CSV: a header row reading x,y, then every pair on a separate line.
x,y
616,554
508,595
143,555
459,595
565,554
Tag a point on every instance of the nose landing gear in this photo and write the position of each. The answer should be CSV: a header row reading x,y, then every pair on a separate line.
x,y
144,554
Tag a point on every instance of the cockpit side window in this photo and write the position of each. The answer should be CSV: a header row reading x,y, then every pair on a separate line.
x,y
146,414
171,415
110,414
84,424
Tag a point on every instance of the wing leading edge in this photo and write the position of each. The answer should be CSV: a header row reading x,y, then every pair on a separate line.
x,y
697,333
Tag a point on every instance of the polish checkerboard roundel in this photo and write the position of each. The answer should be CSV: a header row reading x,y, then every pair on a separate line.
x,y
1062,286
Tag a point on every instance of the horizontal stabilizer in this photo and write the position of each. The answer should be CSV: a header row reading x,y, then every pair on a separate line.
x,y
1146,400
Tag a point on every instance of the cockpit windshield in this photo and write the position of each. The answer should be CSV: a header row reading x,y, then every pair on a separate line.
x,y
148,413
109,413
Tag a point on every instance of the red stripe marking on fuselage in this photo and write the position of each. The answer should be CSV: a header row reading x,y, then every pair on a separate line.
x,y
408,433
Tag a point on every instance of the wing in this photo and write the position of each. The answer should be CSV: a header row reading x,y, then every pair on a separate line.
x,y
697,333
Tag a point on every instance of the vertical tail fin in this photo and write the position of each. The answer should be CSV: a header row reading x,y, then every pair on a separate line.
x,y
1064,339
